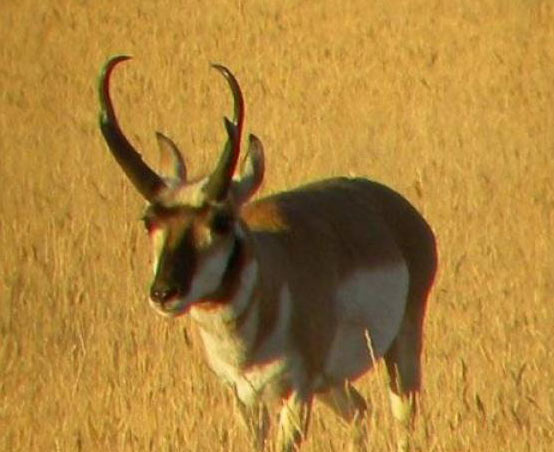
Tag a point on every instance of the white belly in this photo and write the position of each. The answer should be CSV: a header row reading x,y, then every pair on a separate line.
x,y
370,303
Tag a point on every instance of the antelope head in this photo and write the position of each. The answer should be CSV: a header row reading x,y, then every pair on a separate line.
x,y
194,226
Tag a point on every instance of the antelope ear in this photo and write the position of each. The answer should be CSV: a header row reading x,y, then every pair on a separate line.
x,y
172,163
251,172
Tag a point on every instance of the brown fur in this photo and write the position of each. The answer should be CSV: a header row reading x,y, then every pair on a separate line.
x,y
314,236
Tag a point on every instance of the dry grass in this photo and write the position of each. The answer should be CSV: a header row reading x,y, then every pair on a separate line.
x,y
451,103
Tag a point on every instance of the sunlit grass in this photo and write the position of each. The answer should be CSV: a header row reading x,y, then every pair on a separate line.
x,y
449,103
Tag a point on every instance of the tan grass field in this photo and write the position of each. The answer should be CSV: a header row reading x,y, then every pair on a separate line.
x,y
450,103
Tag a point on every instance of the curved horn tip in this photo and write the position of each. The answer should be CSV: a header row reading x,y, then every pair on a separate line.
x,y
235,89
104,81
223,69
113,61
231,79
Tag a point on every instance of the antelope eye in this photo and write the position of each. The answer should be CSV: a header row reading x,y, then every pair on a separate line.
x,y
221,223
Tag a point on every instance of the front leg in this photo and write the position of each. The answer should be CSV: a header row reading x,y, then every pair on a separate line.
x,y
255,418
293,422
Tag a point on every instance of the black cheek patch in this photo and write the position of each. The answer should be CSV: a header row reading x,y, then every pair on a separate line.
x,y
176,267
184,258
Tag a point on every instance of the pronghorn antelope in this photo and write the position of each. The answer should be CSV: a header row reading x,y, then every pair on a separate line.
x,y
294,294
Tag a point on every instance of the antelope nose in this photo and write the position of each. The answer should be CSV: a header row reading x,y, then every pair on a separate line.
x,y
162,294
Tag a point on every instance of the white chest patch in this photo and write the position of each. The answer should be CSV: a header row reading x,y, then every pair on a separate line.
x,y
227,348
371,301
274,357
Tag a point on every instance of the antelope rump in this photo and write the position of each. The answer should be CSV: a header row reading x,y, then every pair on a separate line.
x,y
295,294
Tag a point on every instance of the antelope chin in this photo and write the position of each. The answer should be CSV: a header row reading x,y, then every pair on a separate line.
x,y
172,308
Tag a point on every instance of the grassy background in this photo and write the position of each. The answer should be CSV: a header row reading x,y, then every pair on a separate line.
x,y
450,103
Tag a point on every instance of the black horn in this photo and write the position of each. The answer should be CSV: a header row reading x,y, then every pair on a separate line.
x,y
220,180
146,181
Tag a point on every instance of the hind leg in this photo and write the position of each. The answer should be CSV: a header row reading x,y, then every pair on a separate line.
x,y
404,370
403,361
350,406
294,419
403,367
